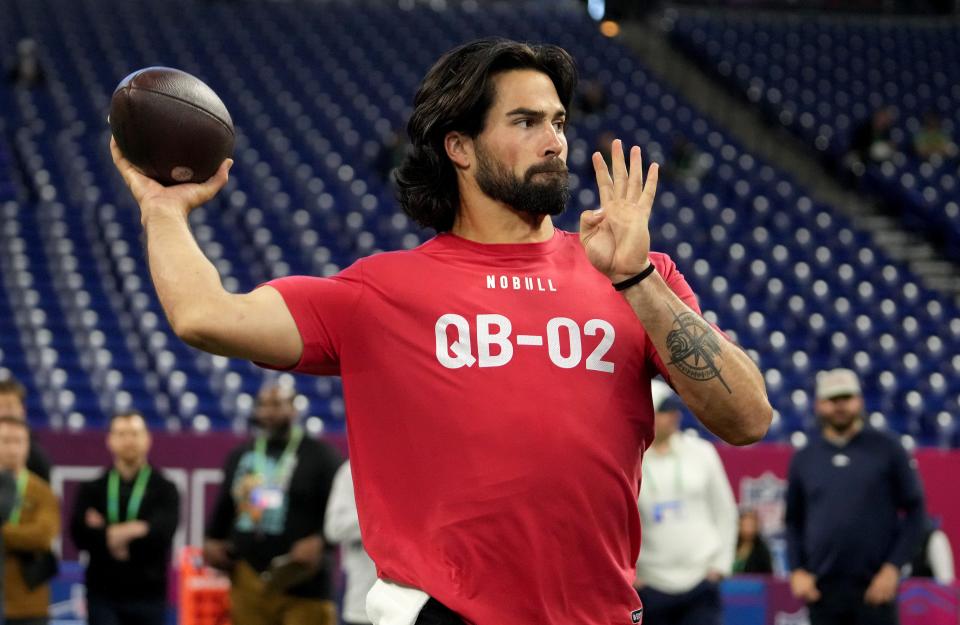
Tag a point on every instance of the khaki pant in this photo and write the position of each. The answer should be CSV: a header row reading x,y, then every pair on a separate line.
x,y
250,604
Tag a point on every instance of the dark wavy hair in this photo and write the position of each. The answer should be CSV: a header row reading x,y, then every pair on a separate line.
x,y
456,95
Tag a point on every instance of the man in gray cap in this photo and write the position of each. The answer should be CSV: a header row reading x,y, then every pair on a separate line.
x,y
854,512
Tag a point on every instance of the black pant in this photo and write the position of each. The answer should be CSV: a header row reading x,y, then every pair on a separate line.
x,y
40,620
698,606
435,613
843,605
103,611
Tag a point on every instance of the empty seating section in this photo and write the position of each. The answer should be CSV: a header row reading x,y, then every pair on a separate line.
x,y
316,91
824,76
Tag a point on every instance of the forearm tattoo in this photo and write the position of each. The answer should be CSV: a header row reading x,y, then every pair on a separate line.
x,y
694,348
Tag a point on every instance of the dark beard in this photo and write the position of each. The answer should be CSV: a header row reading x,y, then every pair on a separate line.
x,y
526,196
280,433
843,428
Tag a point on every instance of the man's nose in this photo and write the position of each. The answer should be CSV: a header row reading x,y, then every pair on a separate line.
x,y
554,143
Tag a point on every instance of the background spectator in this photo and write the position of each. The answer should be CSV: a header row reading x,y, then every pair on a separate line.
x,y
854,512
267,525
28,534
752,554
342,526
125,520
689,519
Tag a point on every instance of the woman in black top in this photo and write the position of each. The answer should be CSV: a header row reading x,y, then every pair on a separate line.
x,y
752,554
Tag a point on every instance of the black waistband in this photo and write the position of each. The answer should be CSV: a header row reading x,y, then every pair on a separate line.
x,y
435,613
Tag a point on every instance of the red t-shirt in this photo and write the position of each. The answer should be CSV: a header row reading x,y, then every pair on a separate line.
x,y
497,398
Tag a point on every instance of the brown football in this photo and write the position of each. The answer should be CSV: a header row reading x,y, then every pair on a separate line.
x,y
170,125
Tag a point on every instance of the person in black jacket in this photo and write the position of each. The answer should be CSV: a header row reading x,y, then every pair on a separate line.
x,y
854,513
267,525
125,520
13,397
752,555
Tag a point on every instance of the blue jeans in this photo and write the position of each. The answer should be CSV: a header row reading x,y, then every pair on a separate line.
x,y
103,611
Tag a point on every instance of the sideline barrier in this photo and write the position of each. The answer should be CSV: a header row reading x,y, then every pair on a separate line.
x,y
761,600
747,599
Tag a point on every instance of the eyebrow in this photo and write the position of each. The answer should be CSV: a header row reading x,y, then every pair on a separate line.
x,y
525,112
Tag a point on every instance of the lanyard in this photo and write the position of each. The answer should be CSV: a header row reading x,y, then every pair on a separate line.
x,y
136,496
286,458
21,490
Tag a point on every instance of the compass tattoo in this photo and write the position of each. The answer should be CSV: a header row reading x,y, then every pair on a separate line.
x,y
694,348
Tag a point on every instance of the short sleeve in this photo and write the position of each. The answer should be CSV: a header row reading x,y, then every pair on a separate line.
x,y
322,308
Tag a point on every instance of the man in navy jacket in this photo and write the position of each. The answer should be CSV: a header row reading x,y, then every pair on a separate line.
x,y
854,512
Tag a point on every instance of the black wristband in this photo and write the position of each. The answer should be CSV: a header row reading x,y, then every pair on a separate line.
x,y
637,279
